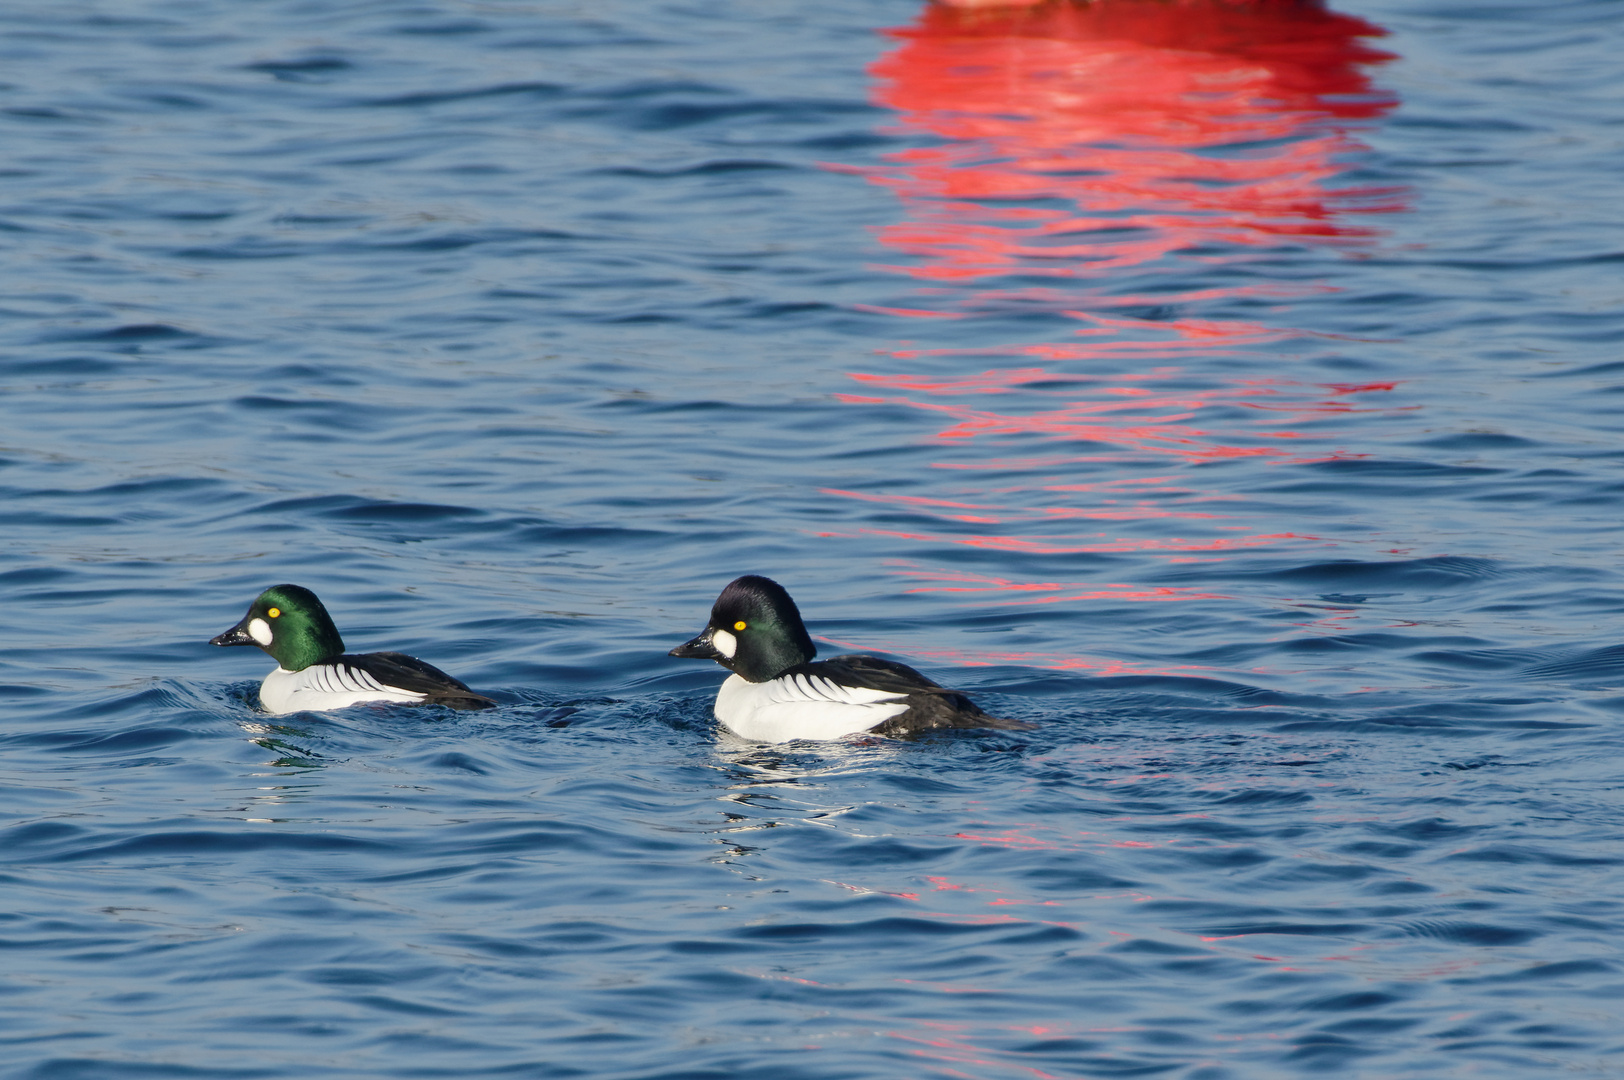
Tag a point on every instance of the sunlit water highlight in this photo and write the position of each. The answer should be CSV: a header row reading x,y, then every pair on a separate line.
x,y
1228,389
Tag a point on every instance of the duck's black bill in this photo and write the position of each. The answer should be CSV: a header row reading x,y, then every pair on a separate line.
x,y
237,635
700,648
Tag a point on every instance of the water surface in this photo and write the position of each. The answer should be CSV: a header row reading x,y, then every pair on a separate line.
x,y
1230,391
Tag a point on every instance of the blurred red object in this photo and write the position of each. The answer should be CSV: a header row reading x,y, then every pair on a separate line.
x,y
1134,168
1187,122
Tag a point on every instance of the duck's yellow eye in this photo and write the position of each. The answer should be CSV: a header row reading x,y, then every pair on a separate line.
x,y
274,612
739,625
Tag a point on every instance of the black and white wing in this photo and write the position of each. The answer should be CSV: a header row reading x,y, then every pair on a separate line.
x,y
397,670
931,706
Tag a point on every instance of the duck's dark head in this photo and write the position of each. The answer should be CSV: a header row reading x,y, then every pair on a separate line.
x,y
289,622
754,630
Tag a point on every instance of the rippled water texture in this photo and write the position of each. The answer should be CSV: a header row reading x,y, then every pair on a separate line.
x,y
1233,390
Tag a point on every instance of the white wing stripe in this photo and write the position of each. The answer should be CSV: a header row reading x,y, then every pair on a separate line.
x,y
327,686
801,688
354,678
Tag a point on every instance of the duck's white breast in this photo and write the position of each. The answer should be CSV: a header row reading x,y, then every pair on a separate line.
x,y
802,707
325,686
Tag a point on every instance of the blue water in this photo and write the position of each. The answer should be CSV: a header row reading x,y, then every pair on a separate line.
x,y
1242,410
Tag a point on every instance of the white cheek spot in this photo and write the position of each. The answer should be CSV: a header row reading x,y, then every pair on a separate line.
x,y
260,631
725,643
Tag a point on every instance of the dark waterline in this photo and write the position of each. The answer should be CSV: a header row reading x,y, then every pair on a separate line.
x,y
1229,390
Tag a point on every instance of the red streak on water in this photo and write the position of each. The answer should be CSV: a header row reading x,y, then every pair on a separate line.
x,y
962,1052
966,582
1011,840
1158,424
985,658
1105,146
942,884
1051,547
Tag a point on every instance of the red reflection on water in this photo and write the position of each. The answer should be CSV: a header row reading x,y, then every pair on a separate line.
x,y
951,1043
966,582
1107,148
1061,546
1054,661
1157,128
1117,411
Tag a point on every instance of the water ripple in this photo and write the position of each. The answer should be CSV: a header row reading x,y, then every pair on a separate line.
x,y
1228,392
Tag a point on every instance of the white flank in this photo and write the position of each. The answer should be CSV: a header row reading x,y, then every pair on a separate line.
x,y
725,643
260,631
325,686
802,707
